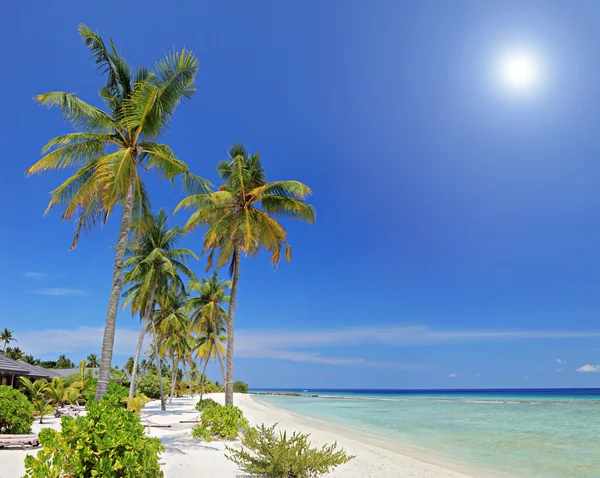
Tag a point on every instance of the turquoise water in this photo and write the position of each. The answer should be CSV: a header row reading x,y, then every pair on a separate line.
x,y
537,434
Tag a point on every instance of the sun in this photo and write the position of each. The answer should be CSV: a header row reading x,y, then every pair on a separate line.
x,y
520,71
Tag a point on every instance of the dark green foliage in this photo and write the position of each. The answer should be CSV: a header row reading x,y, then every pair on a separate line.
x,y
119,376
206,403
16,412
149,386
220,422
266,453
108,442
240,387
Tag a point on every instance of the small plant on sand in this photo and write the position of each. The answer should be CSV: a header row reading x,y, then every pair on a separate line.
x,y
136,403
267,453
220,423
108,442
16,412
206,403
42,408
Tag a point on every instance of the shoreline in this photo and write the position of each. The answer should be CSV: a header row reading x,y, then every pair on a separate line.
x,y
436,465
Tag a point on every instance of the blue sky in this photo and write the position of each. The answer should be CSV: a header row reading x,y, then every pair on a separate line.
x,y
457,236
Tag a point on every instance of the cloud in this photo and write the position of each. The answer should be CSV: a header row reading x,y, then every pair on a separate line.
x,y
525,376
589,368
50,341
34,275
562,362
59,291
394,335
453,375
88,339
476,375
559,369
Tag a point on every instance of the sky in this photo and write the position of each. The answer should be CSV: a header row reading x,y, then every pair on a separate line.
x,y
456,243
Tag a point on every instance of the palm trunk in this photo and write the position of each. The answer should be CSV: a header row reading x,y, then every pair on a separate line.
x,y
221,362
158,368
203,378
234,286
108,340
173,380
138,351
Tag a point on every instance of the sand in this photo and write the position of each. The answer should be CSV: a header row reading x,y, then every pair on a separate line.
x,y
188,457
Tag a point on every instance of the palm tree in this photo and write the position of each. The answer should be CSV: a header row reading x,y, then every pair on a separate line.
x,y
92,361
6,336
14,353
207,312
241,218
64,362
109,147
154,262
210,343
173,331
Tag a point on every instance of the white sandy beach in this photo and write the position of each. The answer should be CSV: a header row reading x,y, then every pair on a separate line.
x,y
188,457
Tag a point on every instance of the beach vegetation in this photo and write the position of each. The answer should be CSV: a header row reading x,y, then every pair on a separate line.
x,y
220,422
108,441
206,403
110,147
137,403
265,452
241,217
149,386
16,412
240,387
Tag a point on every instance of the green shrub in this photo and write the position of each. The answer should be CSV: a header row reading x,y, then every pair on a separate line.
x,y
108,442
16,412
149,386
266,453
118,391
206,403
212,388
240,387
220,422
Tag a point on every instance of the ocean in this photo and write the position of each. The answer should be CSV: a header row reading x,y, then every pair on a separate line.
x,y
535,433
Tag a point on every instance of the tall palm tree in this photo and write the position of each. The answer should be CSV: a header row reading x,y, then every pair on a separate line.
x,y
174,332
210,345
207,311
154,264
110,147
6,336
241,218
92,361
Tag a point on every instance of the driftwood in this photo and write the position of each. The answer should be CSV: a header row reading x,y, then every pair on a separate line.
x,y
72,411
18,440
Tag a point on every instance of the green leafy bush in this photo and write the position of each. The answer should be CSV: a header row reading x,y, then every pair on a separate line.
x,y
118,391
108,442
220,422
16,412
206,403
240,387
266,453
149,386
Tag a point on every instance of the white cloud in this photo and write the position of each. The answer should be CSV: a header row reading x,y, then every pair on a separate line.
x,y
453,375
562,362
34,275
476,375
59,291
589,368
525,376
559,369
